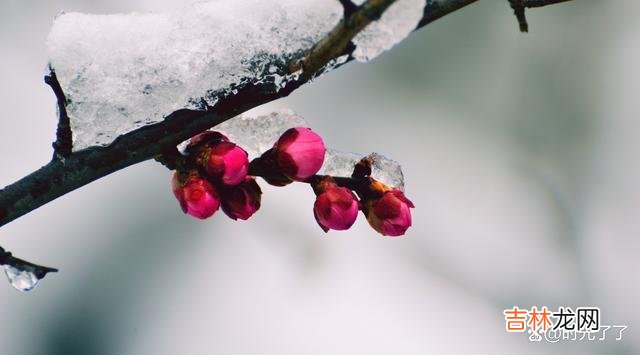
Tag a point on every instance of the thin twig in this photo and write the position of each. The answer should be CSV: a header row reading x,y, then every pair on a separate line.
x,y
7,259
64,141
518,10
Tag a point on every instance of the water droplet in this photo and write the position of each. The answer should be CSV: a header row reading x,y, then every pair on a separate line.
x,y
22,280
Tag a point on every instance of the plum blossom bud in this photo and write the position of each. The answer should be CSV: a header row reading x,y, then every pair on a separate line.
x,y
197,196
225,162
242,201
390,214
299,153
335,207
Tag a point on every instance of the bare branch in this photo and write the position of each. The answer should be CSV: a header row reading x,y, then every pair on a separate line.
x,y
518,11
63,145
519,6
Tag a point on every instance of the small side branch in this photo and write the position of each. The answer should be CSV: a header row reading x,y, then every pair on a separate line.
x,y
64,142
21,265
518,10
519,7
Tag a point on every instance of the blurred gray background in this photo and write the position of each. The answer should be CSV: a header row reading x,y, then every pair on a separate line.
x,y
520,152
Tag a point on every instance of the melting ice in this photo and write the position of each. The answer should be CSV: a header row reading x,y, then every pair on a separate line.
x,y
396,23
23,280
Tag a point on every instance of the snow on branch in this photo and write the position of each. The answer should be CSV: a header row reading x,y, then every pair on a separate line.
x,y
125,71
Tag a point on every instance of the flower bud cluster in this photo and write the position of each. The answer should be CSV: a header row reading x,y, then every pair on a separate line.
x,y
387,210
214,175
216,172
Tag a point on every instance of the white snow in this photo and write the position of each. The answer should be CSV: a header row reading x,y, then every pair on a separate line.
x,y
396,23
123,71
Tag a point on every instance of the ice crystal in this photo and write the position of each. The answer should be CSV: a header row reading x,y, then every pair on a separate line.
x,y
383,169
21,279
396,23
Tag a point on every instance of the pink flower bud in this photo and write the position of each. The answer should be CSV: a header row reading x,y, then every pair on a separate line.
x,y
242,201
225,162
389,215
335,207
196,195
299,153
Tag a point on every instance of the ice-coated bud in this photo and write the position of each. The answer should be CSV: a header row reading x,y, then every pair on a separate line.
x,y
225,162
242,201
390,214
197,196
299,153
335,207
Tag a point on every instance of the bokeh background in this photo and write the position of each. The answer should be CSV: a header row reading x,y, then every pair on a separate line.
x,y
520,152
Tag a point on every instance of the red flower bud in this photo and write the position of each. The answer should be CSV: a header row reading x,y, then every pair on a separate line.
x,y
225,162
299,153
242,201
335,207
390,214
196,195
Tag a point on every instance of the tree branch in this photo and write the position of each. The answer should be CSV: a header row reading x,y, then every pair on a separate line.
x,y
518,11
80,168
336,43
